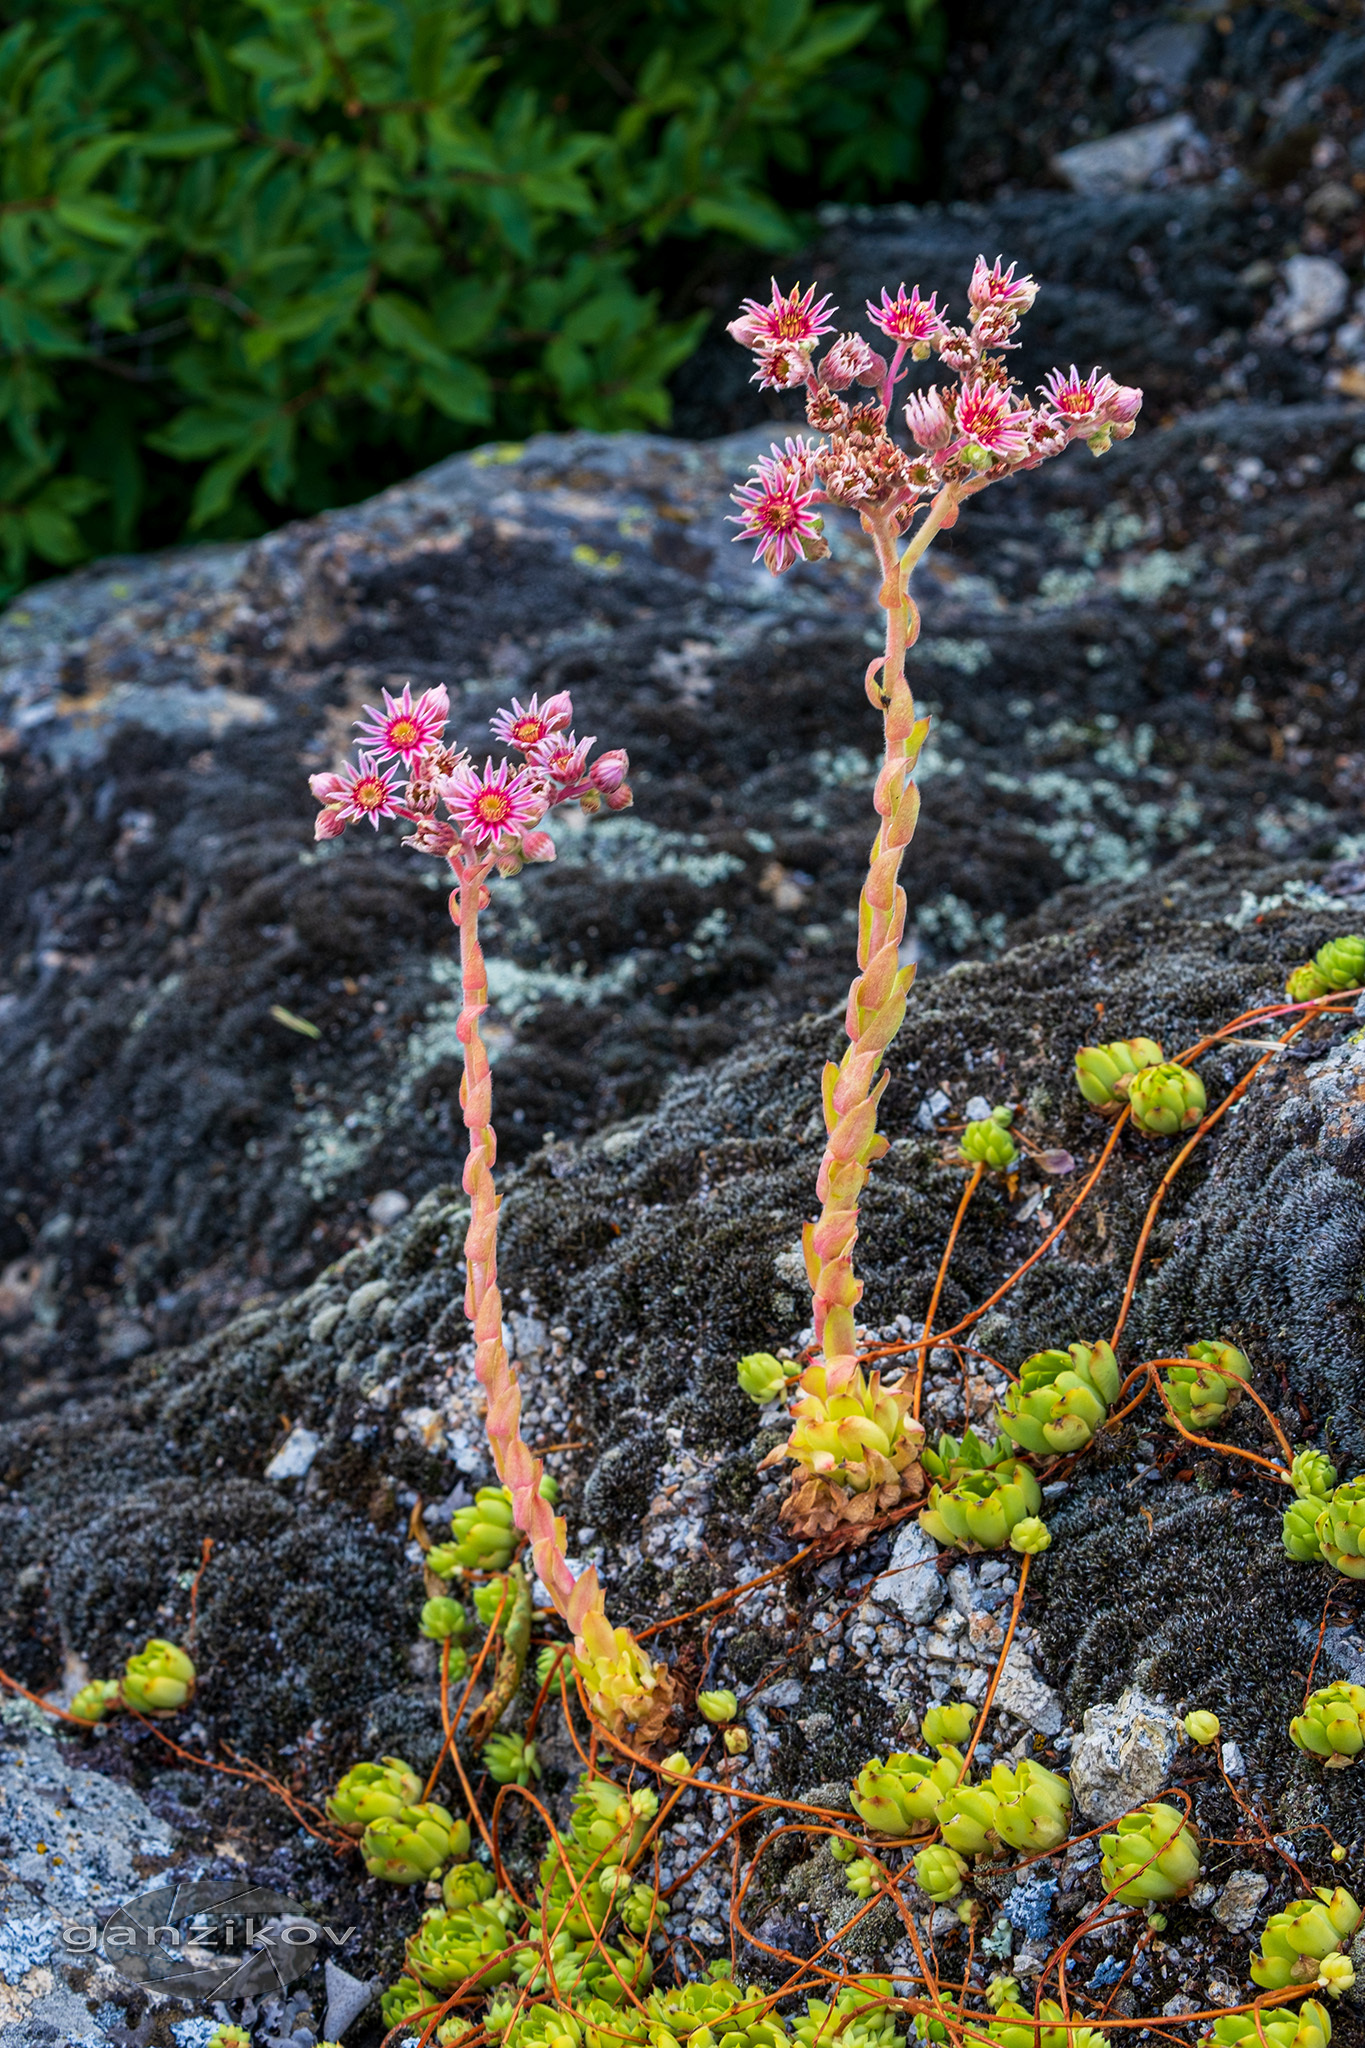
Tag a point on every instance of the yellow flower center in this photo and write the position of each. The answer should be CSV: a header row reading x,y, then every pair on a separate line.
x,y
492,807
403,733
527,731
369,793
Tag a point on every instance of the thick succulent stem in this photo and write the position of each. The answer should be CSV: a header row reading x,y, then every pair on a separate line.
x,y
877,998
519,1470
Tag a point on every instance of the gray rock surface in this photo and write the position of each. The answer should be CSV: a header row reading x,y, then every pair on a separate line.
x,y
1238,1905
1123,1756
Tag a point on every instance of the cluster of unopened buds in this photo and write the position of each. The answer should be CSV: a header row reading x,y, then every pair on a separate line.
x,y
407,769
967,432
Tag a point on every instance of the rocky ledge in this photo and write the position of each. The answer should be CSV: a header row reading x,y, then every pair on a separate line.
x,y
638,1265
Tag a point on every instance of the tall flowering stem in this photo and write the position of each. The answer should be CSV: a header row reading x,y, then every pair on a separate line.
x,y
854,1447
492,825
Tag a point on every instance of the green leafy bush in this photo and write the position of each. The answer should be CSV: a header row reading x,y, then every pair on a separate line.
x,y
262,257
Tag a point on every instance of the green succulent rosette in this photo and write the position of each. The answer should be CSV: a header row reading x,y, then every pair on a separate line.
x,y
1104,1073
940,1872
545,2026
1341,1529
966,1818
764,1378
1159,1837
373,1792
1166,1099
1202,1394
449,1948
158,1680
466,1884
511,1760
1033,1806
861,2015
1305,984
100,1697
411,1846
987,1141
1312,1474
902,1796
403,2000
1299,1530
485,1535
1341,962
1307,2027
983,1509
1015,2027
1059,1400
1294,1942
1332,1723
442,1618
947,1723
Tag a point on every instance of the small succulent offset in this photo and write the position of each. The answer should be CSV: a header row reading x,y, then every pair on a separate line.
x,y
1332,1724
410,1846
1296,1942
987,1141
1336,966
1202,1727
160,1679
1152,1854
1204,1393
483,822
903,1795
1166,1099
973,431
986,1510
1104,1073
373,1792
1330,1530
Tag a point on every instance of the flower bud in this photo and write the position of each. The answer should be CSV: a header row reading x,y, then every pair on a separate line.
x,y
1030,1537
1332,1724
939,1872
1341,962
537,846
610,770
1305,984
466,1884
1104,1073
95,1700
511,1760
762,1377
947,1724
158,1680
1158,1837
717,1707
1202,1727
557,712
412,1845
442,1618
1336,1974
373,1792
1166,1099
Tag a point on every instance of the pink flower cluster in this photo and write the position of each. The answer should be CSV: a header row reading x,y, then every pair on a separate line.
x,y
967,433
493,814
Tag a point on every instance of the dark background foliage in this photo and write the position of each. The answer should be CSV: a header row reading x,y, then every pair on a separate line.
x,y
258,259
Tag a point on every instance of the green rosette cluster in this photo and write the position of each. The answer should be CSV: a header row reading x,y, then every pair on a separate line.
x,y
1312,1474
1305,984
1159,1837
987,1141
1332,1724
1166,1099
510,1759
410,1846
402,2001
467,1884
484,1533
984,1510
1202,1394
1341,962
158,1680
860,2016
1341,1529
373,1792
1308,2027
1060,1399
585,1878
947,1723
442,1618
1104,1073
449,1948
1014,2026
940,1872
1295,1942
1021,1806
902,1796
